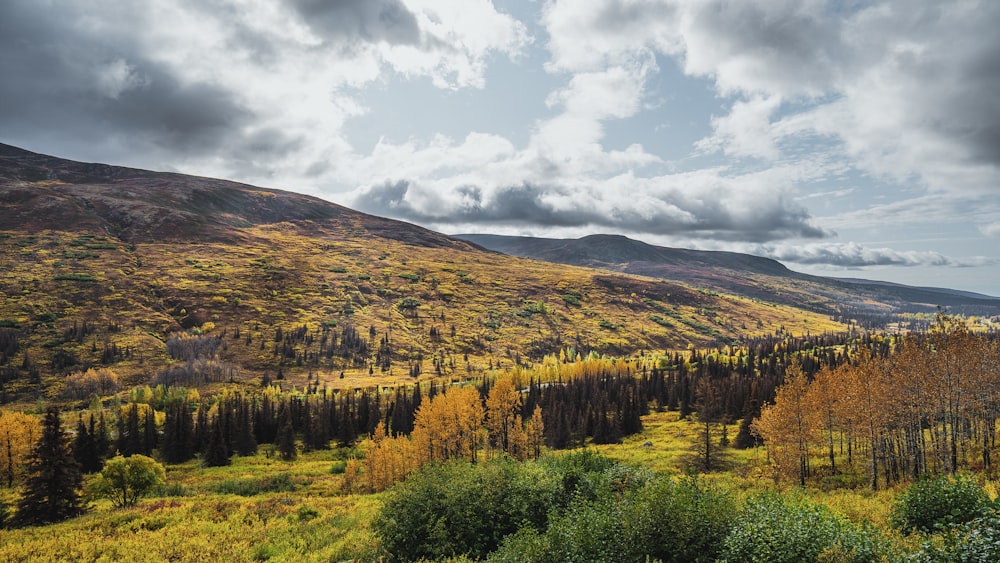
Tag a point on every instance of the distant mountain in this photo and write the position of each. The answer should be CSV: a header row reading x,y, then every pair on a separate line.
x,y
102,266
743,274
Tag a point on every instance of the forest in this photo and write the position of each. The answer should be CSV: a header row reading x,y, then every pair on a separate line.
x,y
873,447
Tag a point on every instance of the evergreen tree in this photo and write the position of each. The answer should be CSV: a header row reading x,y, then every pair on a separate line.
x,y
150,438
101,440
85,448
178,434
286,434
215,454
245,442
52,490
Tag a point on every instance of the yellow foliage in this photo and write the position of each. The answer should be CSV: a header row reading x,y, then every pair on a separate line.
x,y
449,426
18,434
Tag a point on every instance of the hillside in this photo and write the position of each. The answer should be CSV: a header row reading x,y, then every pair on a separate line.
x,y
743,274
101,265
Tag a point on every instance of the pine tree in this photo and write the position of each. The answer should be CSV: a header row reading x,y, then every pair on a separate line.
x,y
286,434
85,448
101,440
52,490
178,431
215,454
244,440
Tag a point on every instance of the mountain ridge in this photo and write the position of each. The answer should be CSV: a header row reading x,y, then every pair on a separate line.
x,y
716,269
136,205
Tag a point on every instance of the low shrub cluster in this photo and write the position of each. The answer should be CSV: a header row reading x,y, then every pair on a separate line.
x,y
940,502
585,507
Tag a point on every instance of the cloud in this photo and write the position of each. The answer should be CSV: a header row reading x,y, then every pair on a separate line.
x,y
255,91
704,204
62,77
991,229
854,255
365,20
896,86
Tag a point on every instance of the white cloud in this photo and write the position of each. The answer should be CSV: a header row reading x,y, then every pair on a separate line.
x,y
991,229
855,255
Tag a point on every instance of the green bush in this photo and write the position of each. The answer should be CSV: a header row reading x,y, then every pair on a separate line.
x,y
571,298
772,529
939,501
452,509
587,532
76,277
580,475
661,520
973,542
680,521
124,480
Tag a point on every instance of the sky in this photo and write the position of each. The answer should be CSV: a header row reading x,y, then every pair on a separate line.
x,y
845,138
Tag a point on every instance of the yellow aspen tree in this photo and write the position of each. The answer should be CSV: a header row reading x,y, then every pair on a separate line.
x,y
388,460
869,402
503,416
914,388
950,362
789,426
823,395
18,434
450,425
352,476
534,430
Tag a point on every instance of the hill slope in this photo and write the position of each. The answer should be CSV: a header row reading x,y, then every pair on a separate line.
x,y
104,266
742,274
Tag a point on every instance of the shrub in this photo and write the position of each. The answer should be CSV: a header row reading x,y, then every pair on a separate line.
x,y
75,277
581,474
975,541
680,521
446,510
939,501
772,529
124,480
664,520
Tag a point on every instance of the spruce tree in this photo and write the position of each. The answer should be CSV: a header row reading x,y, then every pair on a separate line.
x,y
244,440
286,434
178,430
85,447
216,453
52,490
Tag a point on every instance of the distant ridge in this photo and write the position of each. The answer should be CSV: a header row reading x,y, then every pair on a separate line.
x,y
743,274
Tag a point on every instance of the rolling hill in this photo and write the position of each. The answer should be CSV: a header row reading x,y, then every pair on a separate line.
x,y
156,274
742,274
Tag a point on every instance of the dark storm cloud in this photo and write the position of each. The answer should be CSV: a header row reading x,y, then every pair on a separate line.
x,y
532,206
367,20
62,80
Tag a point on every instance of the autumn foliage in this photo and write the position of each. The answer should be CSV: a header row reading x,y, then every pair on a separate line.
x,y
924,404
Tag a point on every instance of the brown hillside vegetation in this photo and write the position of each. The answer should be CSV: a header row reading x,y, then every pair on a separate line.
x,y
102,266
